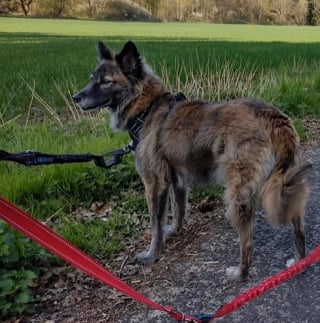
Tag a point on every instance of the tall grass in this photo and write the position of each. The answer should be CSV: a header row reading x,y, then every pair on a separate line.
x,y
214,81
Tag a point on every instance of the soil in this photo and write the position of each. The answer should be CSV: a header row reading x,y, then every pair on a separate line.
x,y
190,275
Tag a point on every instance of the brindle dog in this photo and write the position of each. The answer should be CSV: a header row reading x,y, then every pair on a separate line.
x,y
246,145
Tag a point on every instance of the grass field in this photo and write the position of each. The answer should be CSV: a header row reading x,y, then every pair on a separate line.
x,y
43,62
55,57
166,31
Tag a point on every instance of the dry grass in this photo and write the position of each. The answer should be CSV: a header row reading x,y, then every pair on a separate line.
x,y
215,81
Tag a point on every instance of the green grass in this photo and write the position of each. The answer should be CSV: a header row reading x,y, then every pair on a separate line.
x,y
43,62
53,193
55,57
62,65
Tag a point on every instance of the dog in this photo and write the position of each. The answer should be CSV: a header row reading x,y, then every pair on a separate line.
x,y
246,145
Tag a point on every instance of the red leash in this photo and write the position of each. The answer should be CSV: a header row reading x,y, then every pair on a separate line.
x,y
59,246
269,283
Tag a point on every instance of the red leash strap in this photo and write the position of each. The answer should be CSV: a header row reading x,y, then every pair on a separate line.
x,y
269,283
59,246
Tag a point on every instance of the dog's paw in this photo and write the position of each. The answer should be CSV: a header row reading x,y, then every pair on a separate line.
x,y
290,262
169,231
145,258
233,273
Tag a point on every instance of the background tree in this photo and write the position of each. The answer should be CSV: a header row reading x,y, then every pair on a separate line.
x,y
218,11
8,6
25,6
316,13
313,15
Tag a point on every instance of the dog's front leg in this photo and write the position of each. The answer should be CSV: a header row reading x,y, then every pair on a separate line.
x,y
157,199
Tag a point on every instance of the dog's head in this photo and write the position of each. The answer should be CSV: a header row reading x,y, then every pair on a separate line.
x,y
114,81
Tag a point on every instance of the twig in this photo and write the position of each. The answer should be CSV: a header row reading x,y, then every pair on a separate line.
x,y
43,102
52,216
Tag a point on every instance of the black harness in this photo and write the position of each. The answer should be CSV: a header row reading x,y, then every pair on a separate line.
x,y
135,125
31,158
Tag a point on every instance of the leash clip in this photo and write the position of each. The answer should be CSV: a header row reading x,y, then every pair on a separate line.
x,y
116,157
181,317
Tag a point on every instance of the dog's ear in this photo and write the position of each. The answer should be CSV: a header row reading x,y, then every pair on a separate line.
x,y
130,61
103,51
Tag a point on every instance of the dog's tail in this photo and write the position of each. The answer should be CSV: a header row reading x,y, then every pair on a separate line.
x,y
285,194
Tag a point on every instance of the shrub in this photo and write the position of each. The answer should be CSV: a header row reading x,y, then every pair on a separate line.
x,y
15,277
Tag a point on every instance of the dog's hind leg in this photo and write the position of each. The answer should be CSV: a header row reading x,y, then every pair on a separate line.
x,y
157,199
178,197
284,200
299,240
241,215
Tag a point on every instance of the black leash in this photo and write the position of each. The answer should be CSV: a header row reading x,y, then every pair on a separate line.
x,y
31,158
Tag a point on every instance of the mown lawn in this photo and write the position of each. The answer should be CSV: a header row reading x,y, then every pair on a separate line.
x,y
154,31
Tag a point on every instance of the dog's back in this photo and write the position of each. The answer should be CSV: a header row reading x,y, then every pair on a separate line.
x,y
233,143
244,135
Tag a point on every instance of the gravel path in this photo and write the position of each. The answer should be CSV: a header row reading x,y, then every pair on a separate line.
x,y
196,283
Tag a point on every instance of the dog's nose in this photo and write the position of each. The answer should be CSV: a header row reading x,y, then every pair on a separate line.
x,y
77,98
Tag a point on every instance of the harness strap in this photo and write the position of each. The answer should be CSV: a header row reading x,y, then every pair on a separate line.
x,y
135,125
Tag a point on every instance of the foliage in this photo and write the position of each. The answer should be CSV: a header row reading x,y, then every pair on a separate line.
x,y
313,12
15,295
289,12
8,6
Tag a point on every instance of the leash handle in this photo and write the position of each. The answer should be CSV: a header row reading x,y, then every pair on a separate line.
x,y
46,159
33,158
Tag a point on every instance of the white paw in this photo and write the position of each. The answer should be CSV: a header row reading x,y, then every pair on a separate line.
x,y
233,273
290,262
169,231
146,257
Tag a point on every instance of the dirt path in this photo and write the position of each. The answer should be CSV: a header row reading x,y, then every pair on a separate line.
x,y
198,284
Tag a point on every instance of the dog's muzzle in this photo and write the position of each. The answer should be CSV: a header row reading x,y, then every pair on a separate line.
x,y
86,104
77,98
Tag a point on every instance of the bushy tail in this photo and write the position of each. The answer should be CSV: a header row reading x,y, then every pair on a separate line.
x,y
285,194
